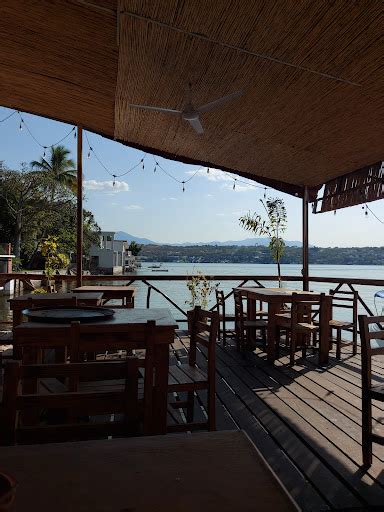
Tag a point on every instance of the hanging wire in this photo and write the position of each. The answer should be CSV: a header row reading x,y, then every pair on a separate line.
x,y
8,116
114,175
23,123
376,217
140,163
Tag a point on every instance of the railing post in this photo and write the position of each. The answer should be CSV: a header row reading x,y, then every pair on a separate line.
x,y
305,270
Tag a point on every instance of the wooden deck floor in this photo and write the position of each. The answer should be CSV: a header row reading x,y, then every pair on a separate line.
x,y
305,421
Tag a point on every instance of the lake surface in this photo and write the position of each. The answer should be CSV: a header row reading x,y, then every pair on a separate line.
x,y
178,292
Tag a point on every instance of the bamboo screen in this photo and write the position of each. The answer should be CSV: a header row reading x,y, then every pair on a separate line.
x,y
359,187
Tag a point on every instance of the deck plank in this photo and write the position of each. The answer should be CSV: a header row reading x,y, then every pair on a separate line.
x,y
318,411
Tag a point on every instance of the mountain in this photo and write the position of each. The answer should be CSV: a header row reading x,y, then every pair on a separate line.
x,y
122,235
247,242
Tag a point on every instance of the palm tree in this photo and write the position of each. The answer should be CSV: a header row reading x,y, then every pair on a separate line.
x,y
59,168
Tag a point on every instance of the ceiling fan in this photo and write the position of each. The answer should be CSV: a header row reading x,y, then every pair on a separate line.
x,y
189,112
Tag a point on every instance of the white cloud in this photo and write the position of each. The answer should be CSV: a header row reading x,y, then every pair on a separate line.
x,y
107,186
132,207
173,198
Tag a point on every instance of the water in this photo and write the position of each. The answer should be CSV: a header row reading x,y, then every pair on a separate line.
x,y
178,292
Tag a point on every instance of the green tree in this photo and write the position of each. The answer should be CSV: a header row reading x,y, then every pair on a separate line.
x,y
23,195
273,226
59,168
135,248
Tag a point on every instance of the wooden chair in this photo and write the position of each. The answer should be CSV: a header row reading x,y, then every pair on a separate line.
x,y
344,300
243,326
224,318
372,344
89,403
299,324
84,337
203,327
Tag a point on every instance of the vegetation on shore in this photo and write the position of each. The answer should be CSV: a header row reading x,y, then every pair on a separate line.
x,y
262,254
39,201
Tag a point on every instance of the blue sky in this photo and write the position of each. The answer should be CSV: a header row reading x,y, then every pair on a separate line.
x,y
153,205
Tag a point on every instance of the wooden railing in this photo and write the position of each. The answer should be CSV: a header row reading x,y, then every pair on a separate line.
x,y
153,284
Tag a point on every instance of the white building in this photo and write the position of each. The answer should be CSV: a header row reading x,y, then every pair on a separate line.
x,y
6,267
111,256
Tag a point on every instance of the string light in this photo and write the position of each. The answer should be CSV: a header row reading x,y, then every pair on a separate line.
x,y
334,213
141,161
265,193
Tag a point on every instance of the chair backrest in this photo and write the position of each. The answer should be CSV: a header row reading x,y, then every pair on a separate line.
x,y
93,337
220,299
204,328
122,400
239,308
303,304
372,344
346,300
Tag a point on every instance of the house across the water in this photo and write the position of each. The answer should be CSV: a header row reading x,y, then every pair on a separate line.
x,y
111,256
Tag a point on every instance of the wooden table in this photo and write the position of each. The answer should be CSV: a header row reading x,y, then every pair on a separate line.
x,y
275,298
31,337
124,293
17,304
207,472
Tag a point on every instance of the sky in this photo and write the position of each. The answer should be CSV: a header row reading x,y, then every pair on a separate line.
x,y
151,204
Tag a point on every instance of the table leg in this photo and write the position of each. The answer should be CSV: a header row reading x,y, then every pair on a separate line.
x,y
324,338
273,308
160,396
16,317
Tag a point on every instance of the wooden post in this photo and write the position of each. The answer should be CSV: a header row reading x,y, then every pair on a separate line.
x,y
79,252
305,270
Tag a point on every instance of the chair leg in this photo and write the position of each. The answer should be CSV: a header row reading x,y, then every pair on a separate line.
x,y
304,347
190,406
338,344
293,349
367,431
224,334
264,338
211,410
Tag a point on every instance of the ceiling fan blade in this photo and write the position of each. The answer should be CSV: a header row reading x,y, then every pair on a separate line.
x,y
157,109
196,125
219,102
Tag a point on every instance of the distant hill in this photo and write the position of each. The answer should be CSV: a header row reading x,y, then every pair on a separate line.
x,y
247,242
122,235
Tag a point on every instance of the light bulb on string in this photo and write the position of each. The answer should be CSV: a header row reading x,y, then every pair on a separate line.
x,y
334,213
21,125
114,180
183,182
265,193
234,184
45,147
89,152
154,170
74,133
207,170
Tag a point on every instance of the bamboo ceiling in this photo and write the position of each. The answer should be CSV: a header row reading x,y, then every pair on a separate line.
x,y
311,73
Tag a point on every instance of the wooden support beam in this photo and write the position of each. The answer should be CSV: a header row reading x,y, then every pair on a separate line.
x,y
305,270
79,252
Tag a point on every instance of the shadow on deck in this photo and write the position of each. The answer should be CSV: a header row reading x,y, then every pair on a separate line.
x,y
305,421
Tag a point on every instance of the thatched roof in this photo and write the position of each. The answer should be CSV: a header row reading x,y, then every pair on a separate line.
x,y
311,73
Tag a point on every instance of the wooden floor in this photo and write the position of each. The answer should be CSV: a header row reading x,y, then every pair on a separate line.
x,y
305,421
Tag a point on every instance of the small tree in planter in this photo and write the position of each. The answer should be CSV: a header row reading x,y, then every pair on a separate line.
x,y
273,226
200,288
53,259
